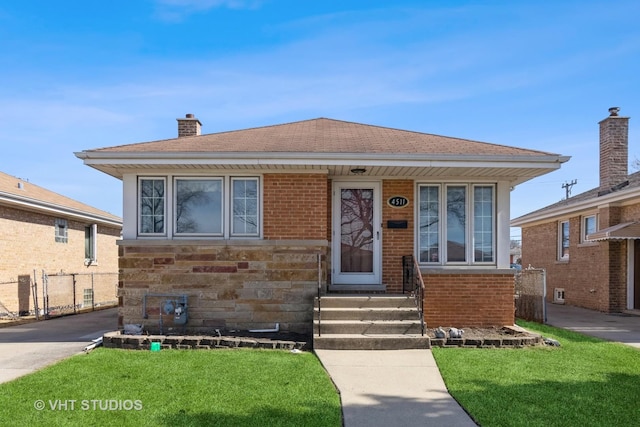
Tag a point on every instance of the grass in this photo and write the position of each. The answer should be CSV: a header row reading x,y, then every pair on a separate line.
x,y
175,387
585,382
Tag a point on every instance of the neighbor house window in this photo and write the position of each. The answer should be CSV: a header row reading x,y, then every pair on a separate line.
x,y
220,207
152,206
563,240
198,206
90,243
61,229
456,214
589,226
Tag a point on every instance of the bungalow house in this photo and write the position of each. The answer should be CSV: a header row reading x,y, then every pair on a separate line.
x,y
241,228
589,243
42,232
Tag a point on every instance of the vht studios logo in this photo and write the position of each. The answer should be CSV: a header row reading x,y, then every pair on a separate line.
x,y
88,405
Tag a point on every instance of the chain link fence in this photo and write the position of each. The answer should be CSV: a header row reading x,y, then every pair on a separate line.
x,y
531,290
44,295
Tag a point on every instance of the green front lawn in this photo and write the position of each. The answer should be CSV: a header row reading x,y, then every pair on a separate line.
x,y
175,388
585,382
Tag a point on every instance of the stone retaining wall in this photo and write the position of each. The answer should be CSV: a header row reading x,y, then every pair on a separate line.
x,y
229,285
198,342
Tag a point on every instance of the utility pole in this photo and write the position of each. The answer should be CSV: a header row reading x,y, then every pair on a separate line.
x,y
567,187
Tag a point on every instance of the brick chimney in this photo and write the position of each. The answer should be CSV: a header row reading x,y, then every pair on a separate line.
x,y
614,152
189,126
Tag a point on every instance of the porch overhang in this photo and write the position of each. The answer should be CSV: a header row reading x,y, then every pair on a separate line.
x,y
624,231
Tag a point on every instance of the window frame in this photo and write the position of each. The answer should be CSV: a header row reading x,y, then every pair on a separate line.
x,y
232,198
170,198
470,223
473,220
139,206
61,230
583,230
562,255
174,208
91,246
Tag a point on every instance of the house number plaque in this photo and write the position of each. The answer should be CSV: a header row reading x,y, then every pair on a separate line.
x,y
398,201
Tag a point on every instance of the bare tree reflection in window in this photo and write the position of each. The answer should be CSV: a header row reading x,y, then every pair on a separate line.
x,y
199,206
245,206
356,230
152,206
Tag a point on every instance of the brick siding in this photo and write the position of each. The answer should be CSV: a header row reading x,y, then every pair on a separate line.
x,y
396,242
465,299
595,276
29,244
293,205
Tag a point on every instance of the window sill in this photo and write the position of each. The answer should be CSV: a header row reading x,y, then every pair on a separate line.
x,y
587,244
220,242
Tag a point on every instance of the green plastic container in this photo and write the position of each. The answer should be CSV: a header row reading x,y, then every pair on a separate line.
x,y
155,346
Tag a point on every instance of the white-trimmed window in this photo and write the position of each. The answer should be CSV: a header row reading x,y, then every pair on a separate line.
x,y
197,206
244,207
91,244
61,230
563,240
152,206
589,226
463,216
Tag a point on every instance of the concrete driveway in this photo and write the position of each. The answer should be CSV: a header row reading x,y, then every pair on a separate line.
x,y
624,328
28,347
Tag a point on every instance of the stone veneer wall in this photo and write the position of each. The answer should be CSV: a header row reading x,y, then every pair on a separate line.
x,y
468,298
230,285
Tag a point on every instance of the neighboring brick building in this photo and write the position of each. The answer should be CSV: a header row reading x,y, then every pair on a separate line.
x,y
44,231
588,244
243,226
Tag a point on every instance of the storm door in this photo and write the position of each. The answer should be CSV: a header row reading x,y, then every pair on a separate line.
x,y
356,233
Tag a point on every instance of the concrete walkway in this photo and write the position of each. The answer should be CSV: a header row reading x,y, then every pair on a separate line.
x,y
404,387
624,328
392,388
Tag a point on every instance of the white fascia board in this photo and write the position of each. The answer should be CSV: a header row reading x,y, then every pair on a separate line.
x,y
561,211
55,210
290,158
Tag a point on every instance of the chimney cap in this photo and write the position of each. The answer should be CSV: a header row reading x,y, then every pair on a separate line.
x,y
191,116
613,111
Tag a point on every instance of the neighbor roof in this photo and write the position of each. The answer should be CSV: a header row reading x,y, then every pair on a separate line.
x,y
22,194
329,145
586,200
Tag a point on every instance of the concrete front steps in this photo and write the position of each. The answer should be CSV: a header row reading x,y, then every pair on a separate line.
x,y
367,322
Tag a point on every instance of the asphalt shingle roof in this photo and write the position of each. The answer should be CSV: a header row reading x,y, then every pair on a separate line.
x,y
323,135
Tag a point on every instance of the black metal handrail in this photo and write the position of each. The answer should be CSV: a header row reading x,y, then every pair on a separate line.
x,y
413,283
319,296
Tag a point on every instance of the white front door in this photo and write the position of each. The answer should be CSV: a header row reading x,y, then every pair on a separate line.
x,y
356,240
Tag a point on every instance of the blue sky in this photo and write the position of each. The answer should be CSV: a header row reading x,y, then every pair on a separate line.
x,y
532,74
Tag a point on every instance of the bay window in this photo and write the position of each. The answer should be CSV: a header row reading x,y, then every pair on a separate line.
x,y
456,224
